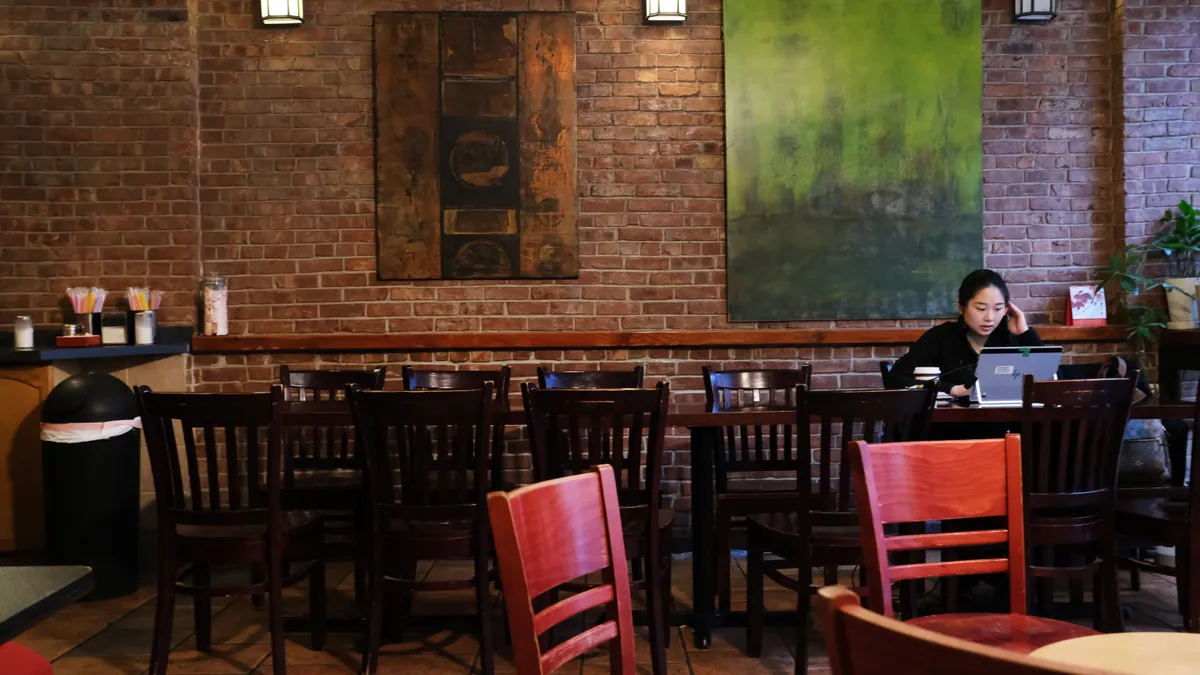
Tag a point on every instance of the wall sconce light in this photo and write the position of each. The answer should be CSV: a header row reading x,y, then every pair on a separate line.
x,y
282,12
666,11
1035,10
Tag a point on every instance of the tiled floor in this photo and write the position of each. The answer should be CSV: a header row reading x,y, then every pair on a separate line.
x,y
113,637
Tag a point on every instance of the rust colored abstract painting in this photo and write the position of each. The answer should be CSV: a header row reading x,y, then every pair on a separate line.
x,y
475,145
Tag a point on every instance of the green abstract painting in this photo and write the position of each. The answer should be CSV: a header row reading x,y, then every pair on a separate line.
x,y
854,159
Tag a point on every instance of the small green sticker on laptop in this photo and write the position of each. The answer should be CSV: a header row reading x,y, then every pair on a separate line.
x,y
1025,351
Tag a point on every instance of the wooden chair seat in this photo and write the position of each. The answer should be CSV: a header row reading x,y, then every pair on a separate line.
x,y
327,480
634,531
295,523
1135,511
441,528
637,527
1012,632
780,526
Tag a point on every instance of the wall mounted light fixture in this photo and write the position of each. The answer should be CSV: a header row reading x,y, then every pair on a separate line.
x,y
282,12
1035,10
666,11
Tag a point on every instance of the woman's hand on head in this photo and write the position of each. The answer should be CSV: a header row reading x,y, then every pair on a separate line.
x,y
1016,320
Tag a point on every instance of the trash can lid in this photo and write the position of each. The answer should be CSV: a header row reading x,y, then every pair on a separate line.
x,y
90,397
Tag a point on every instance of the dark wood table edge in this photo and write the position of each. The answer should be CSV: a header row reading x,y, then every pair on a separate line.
x,y
30,616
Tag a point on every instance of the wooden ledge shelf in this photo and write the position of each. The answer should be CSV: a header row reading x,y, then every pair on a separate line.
x,y
425,342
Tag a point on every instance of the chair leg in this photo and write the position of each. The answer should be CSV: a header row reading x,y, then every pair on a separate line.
x,y
668,595
658,618
164,616
275,613
754,595
374,625
724,553
1108,595
1135,577
803,602
1188,568
202,606
362,548
483,603
257,576
316,604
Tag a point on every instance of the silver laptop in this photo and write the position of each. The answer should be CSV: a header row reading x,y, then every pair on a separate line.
x,y
1001,373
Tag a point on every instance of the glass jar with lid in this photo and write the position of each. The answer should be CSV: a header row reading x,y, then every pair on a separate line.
x,y
214,301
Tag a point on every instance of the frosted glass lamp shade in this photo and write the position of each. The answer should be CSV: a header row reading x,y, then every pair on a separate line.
x,y
282,12
666,11
1035,10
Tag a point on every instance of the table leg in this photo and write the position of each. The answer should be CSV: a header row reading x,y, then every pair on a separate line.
x,y
704,440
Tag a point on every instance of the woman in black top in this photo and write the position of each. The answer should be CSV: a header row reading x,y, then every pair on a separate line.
x,y
986,319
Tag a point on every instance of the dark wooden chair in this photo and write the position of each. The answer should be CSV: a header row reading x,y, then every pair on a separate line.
x,y
1169,516
548,534
821,528
1071,434
572,430
218,503
862,642
415,379
322,467
751,452
591,379
439,445
949,481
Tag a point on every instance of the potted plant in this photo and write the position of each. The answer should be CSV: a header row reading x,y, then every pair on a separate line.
x,y
1124,281
1180,243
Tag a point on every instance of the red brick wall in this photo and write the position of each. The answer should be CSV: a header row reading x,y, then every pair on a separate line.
x,y
1160,99
100,182
97,153
140,150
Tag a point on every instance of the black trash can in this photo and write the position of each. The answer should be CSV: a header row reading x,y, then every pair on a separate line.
x,y
91,456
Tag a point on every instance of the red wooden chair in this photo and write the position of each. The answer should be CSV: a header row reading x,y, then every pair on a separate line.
x,y
17,659
861,642
949,480
547,534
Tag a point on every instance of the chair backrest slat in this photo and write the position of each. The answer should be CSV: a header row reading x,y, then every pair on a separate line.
x,y
312,446
439,444
939,480
845,416
755,449
224,482
591,379
567,428
1071,434
547,534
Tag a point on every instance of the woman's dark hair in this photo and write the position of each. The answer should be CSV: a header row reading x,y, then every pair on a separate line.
x,y
977,281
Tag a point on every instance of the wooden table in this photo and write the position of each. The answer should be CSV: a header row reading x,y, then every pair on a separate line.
x,y
705,426
30,594
1129,653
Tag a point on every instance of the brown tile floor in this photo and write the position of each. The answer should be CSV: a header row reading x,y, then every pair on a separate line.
x,y
113,637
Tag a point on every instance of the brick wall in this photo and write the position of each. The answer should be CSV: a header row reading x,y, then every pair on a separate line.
x,y
102,173
1160,48
97,153
137,148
